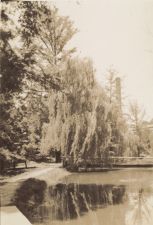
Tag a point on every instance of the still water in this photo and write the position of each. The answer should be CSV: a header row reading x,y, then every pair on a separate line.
x,y
123,197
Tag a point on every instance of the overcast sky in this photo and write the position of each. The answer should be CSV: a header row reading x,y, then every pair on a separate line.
x,y
118,33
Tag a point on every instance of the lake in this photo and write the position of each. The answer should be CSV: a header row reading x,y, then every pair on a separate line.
x,y
121,197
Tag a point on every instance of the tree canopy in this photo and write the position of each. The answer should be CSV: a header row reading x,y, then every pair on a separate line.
x,y
50,98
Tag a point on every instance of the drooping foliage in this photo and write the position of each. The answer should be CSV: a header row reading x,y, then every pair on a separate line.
x,y
82,123
51,99
30,69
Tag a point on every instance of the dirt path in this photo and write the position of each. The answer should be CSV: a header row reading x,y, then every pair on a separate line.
x,y
39,172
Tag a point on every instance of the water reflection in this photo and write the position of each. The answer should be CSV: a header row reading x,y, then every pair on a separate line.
x,y
141,208
72,202
29,197
64,201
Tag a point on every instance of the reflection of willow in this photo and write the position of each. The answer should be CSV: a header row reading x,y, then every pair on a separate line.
x,y
142,211
64,201
73,200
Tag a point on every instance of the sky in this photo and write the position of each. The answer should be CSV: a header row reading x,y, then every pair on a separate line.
x,y
118,34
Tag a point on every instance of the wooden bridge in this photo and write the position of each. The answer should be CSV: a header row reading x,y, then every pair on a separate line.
x,y
106,163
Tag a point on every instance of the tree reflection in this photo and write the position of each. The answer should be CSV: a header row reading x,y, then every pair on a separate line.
x,y
64,201
29,197
74,200
141,211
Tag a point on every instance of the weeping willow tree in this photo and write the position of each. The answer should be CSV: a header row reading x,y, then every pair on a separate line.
x,y
64,107
82,123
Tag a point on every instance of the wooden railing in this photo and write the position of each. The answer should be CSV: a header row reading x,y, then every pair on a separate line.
x,y
106,161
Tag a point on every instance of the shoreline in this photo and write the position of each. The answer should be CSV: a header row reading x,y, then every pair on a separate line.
x,y
50,175
38,171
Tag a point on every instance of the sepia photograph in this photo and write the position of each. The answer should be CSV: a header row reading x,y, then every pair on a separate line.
x,y
76,112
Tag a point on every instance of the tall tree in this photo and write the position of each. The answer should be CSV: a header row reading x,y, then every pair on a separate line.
x,y
12,74
110,85
138,126
12,67
137,117
46,34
